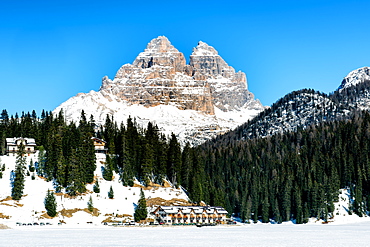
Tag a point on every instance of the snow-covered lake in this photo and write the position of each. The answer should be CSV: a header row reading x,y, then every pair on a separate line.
x,y
246,235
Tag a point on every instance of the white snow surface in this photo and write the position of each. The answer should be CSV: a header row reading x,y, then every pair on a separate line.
x,y
242,235
30,208
343,229
187,125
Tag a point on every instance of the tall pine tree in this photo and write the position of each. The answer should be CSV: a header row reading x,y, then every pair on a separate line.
x,y
20,166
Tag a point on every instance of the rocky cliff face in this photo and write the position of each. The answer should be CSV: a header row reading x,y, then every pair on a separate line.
x,y
215,95
160,75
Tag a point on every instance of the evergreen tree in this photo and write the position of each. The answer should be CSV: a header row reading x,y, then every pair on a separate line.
x,y
50,204
108,169
90,205
20,166
174,160
111,193
40,167
140,210
96,187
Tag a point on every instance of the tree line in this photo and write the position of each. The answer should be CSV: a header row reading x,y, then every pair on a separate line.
x,y
295,175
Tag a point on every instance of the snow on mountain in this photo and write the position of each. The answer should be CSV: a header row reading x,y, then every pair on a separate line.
x,y
196,101
73,211
355,77
298,109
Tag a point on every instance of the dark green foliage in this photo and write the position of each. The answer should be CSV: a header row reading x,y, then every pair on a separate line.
x,y
90,205
108,168
40,166
31,167
110,193
140,211
96,187
291,176
283,177
50,204
19,174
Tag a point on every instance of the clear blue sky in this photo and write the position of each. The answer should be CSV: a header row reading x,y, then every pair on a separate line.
x,y
52,50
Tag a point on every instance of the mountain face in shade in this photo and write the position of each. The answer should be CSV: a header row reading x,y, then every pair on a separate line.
x,y
196,101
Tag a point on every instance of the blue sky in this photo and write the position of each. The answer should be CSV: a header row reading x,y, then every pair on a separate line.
x,y
52,50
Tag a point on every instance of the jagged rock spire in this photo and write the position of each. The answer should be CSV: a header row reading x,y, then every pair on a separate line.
x,y
159,51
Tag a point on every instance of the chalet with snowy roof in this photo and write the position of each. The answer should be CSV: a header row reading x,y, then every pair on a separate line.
x,y
13,143
99,145
190,215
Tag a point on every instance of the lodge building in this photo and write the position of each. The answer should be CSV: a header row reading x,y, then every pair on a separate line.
x,y
99,145
13,143
190,215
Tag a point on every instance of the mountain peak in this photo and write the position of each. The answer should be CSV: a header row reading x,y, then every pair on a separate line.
x,y
203,49
160,44
159,86
355,77
159,51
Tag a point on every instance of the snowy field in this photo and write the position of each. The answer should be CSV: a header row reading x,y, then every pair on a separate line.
x,y
246,235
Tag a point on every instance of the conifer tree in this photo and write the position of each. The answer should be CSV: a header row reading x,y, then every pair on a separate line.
x,y
40,168
140,211
20,166
111,193
174,160
90,205
96,187
50,204
107,169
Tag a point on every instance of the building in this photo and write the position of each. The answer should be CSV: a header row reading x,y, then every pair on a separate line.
x,y
190,215
99,145
13,143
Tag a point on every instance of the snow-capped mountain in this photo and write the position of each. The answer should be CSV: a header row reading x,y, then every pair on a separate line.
x,y
300,109
196,101
355,77
354,91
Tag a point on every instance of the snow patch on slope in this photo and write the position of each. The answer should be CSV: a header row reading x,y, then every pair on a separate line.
x,y
187,125
30,208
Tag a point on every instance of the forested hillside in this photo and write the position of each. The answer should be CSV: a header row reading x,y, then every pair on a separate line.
x,y
295,175
67,155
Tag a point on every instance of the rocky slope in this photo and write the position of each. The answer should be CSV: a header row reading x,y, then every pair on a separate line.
x,y
300,109
355,77
196,101
354,92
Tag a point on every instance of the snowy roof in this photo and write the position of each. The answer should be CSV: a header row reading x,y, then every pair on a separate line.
x,y
13,141
195,209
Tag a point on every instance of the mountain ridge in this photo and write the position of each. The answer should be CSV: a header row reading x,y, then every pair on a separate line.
x,y
306,107
204,98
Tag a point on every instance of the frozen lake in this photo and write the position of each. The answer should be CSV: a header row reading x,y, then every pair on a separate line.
x,y
247,235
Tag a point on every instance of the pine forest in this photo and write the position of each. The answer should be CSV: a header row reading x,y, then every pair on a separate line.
x,y
290,176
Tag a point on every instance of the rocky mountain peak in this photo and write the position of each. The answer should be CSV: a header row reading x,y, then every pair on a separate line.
x,y
355,77
203,49
160,81
161,52
160,44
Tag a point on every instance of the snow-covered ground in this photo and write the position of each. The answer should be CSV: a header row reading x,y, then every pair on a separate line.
x,y
245,235
188,125
83,229
31,209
